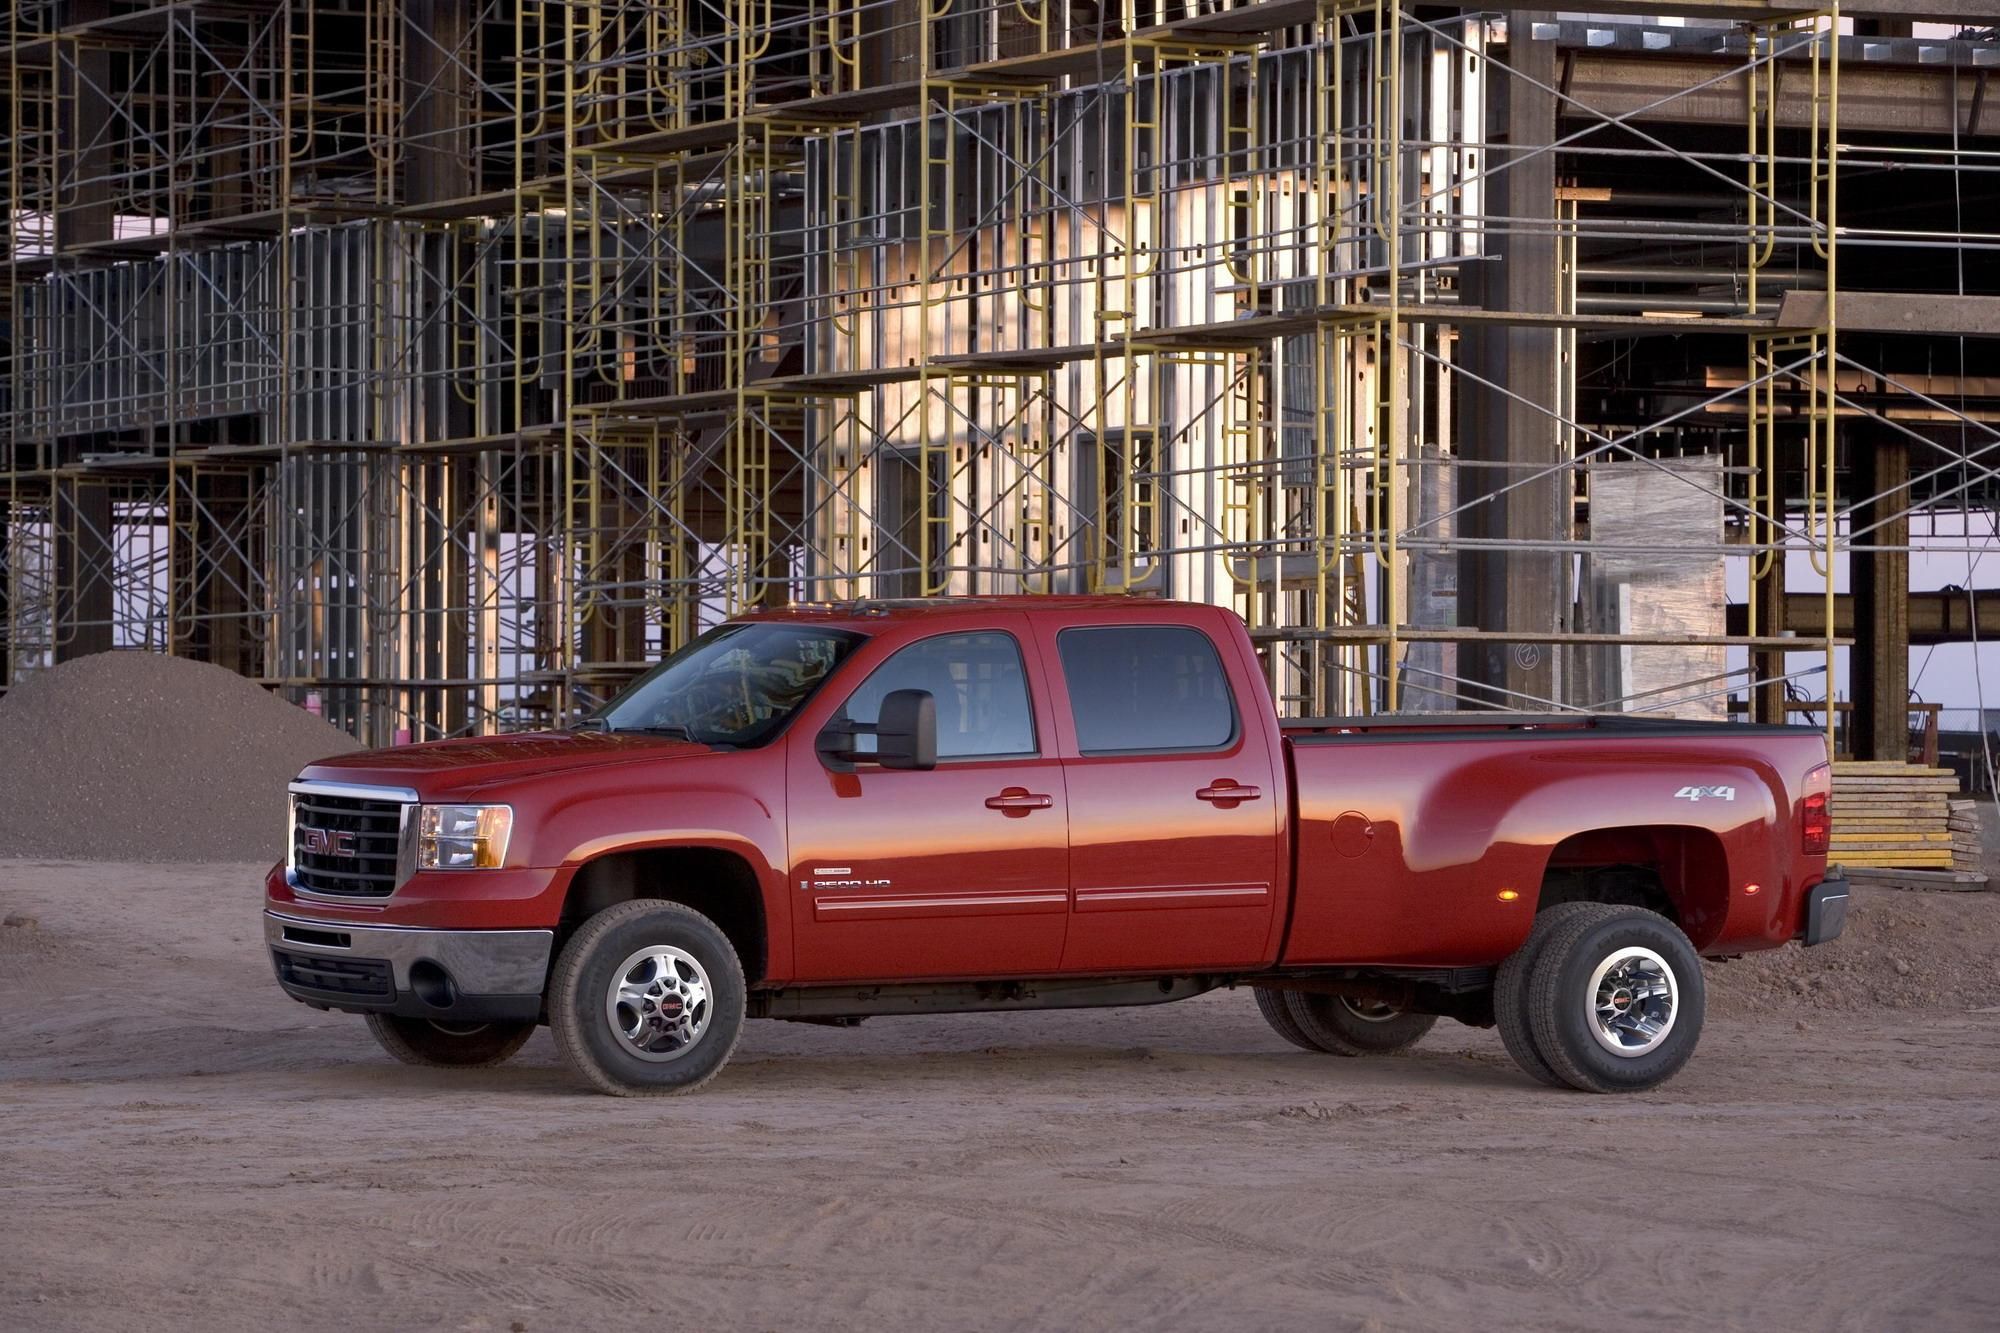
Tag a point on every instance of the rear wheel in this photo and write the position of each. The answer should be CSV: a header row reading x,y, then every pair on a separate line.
x,y
1616,1000
1340,1025
424,1041
1271,1004
1510,988
647,999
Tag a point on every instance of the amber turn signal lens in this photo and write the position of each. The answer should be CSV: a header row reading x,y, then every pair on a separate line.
x,y
1752,890
1508,895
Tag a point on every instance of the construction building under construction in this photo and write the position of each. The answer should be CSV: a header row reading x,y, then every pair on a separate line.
x,y
441,363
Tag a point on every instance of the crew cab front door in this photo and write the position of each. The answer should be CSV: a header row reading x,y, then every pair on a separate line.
x,y
1176,804
956,871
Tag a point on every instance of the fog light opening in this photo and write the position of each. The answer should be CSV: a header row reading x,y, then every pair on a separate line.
x,y
432,984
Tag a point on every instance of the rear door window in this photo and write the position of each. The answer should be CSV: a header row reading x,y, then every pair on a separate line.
x,y
1146,689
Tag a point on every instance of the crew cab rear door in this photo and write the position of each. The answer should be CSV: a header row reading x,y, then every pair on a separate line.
x,y
1176,800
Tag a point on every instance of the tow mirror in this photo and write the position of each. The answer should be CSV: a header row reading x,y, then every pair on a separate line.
x,y
905,734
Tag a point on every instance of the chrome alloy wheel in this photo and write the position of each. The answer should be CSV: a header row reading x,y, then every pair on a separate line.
x,y
658,1003
1370,1011
1631,1002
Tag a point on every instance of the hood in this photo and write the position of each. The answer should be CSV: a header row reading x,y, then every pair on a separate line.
x,y
444,767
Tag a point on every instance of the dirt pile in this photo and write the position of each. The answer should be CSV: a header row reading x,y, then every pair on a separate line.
x,y
139,756
1901,950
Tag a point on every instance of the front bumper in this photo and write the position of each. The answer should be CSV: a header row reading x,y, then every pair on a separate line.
x,y
456,975
1826,910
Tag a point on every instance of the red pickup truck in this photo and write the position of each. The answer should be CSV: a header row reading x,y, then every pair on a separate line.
x,y
831,812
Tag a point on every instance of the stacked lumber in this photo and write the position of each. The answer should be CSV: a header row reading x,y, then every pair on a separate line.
x,y
1890,814
1967,852
1944,881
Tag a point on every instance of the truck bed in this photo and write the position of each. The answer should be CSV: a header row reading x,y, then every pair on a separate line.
x,y
1409,856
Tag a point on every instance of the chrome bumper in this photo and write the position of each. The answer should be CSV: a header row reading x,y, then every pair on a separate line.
x,y
480,962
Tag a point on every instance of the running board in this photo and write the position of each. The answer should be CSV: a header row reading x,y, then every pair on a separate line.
x,y
814,1003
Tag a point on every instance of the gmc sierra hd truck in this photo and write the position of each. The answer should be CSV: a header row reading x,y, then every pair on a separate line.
x,y
826,813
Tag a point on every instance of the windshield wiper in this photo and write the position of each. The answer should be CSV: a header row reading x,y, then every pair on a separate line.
x,y
663,729
668,729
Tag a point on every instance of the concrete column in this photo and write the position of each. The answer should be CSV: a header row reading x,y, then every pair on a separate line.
x,y
1524,591
614,630
484,701
437,90
83,568
1879,662
1767,698
211,567
84,210
460,503
233,640
891,46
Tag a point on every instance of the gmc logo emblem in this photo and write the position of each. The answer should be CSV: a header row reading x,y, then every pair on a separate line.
x,y
328,842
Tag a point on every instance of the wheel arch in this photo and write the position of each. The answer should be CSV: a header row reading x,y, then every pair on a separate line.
x,y
718,881
1680,871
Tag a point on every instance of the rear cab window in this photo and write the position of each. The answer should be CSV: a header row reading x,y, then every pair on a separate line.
x,y
1146,689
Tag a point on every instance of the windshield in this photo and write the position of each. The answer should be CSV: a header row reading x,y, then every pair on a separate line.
x,y
735,685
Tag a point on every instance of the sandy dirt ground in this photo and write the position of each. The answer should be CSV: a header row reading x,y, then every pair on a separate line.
x,y
182,1146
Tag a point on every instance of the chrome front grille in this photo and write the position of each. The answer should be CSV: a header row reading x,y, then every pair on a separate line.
x,y
348,846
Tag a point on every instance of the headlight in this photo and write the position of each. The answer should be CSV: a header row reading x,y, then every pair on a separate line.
x,y
463,837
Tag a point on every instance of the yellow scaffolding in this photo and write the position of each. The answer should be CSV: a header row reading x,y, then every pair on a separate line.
x,y
809,299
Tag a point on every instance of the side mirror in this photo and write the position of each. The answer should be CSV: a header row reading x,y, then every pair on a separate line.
x,y
906,733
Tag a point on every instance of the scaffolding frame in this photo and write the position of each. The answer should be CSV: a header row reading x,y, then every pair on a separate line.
x,y
453,371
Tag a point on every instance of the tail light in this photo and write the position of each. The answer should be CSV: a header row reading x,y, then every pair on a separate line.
x,y
1815,816
1815,825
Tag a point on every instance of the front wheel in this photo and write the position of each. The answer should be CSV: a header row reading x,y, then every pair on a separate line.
x,y
1616,1000
647,999
1340,1025
424,1041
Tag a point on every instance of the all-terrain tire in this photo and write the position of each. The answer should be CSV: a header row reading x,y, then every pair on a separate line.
x,y
421,1041
1271,1004
1510,989
644,949
1340,1026
1616,1000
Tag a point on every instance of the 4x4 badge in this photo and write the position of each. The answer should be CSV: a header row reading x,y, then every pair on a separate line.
x,y
1713,793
